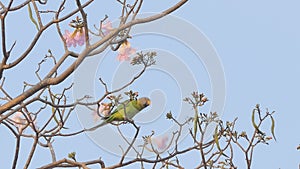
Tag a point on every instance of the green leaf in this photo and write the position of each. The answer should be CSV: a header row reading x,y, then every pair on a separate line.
x,y
53,111
195,124
273,127
216,138
54,117
254,124
31,17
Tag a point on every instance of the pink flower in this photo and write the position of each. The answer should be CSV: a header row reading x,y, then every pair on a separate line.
x,y
161,142
104,110
125,51
20,121
107,27
96,117
75,38
80,38
69,39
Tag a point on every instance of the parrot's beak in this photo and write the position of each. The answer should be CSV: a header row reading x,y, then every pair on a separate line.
x,y
148,102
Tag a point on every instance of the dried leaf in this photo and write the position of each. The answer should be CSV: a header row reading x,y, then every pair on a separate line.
x,y
253,120
273,127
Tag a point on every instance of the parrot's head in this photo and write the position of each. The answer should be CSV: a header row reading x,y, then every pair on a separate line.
x,y
144,101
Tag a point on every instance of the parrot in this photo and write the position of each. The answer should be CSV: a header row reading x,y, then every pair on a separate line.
x,y
131,107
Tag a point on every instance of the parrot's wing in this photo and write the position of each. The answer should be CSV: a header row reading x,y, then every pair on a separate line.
x,y
120,107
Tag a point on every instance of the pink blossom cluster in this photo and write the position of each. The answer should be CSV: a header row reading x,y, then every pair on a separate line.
x,y
75,38
125,51
161,142
103,110
20,121
78,38
106,28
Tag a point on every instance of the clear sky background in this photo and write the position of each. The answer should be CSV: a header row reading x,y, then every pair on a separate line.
x,y
258,45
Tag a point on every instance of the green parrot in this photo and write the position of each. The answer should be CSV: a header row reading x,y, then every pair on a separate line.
x,y
131,108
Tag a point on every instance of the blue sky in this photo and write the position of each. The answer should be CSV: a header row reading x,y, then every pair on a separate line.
x,y
258,45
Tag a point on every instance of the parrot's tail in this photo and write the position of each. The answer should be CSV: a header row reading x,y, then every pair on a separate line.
x,y
97,126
